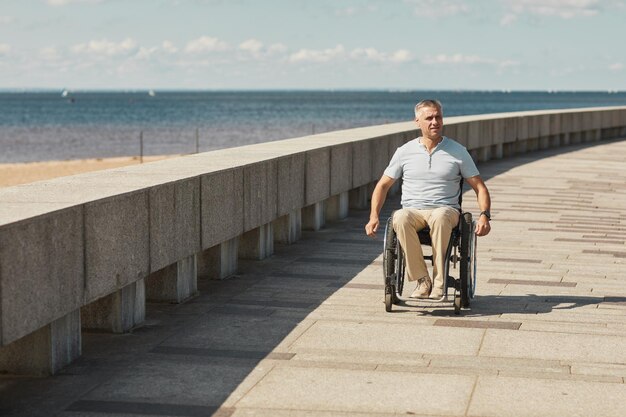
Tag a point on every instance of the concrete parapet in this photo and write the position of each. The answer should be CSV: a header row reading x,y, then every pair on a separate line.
x,y
46,350
288,228
337,207
340,168
175,283
219,261
257,243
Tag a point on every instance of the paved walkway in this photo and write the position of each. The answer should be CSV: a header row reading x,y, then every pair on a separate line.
x,y
305,332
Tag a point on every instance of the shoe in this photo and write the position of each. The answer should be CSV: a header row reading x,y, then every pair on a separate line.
x,y
423,288
436,294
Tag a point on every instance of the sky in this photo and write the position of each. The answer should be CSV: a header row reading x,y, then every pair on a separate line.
x,y
313,44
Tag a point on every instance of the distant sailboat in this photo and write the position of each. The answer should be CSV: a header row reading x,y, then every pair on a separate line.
x,y
64,93
151,93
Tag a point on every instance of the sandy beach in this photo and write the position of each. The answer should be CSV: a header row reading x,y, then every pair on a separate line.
x,y
23,173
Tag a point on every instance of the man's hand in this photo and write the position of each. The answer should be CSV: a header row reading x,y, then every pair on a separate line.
x,y
482,226
372,226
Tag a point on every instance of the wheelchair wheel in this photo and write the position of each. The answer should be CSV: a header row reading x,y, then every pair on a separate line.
x,y
393,267
389,265
468,254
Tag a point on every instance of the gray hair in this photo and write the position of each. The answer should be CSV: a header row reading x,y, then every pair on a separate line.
x,y
427,103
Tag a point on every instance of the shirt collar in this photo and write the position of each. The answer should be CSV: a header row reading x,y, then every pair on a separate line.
x,y
439,145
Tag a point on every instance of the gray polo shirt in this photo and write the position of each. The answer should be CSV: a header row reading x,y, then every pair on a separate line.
x,y
431,180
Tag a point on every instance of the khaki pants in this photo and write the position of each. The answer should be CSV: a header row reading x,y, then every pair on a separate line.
x,y
407,222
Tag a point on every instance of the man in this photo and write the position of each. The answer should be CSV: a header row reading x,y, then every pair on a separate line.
x,y
431,167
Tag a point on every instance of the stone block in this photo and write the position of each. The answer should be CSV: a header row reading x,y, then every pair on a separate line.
x,y
586,120
544,142
462,134
544,125
498,131
449,130
288,228
46,350
118,312
473,135
340,168
41,271
257,243
534,126
219,261
260,194
221,206
317,177
522,128
361,164
175,283
510,129
313,216
487,132
117,242
291,183
337,207
555,123
380,156
174,222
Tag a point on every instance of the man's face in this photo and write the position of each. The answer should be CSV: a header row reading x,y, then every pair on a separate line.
x,y
430,121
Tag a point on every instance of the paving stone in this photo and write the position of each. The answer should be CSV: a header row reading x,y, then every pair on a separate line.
x,y
500,396
362,391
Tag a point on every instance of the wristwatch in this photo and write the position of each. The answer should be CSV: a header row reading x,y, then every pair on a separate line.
x,y
486,213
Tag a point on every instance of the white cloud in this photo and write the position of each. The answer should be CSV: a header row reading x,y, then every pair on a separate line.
x,y
253,46
4,48
438,8
460,59
618,66
372,54
565,9
206,44
5,20
66,2
401,55
49,53
105,47
169,47
311,55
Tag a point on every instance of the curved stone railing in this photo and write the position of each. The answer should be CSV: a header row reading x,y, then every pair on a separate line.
x,y
86,251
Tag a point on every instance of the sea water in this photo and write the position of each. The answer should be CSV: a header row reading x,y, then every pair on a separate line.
x,y
36,126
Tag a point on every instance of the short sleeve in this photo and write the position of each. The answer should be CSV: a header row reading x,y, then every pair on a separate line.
x,y
394,170
468,167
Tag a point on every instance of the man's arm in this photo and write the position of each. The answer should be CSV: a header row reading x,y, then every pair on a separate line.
x,y
378,199
484,203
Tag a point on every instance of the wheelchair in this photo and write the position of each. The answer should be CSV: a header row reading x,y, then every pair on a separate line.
x,y
461,249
